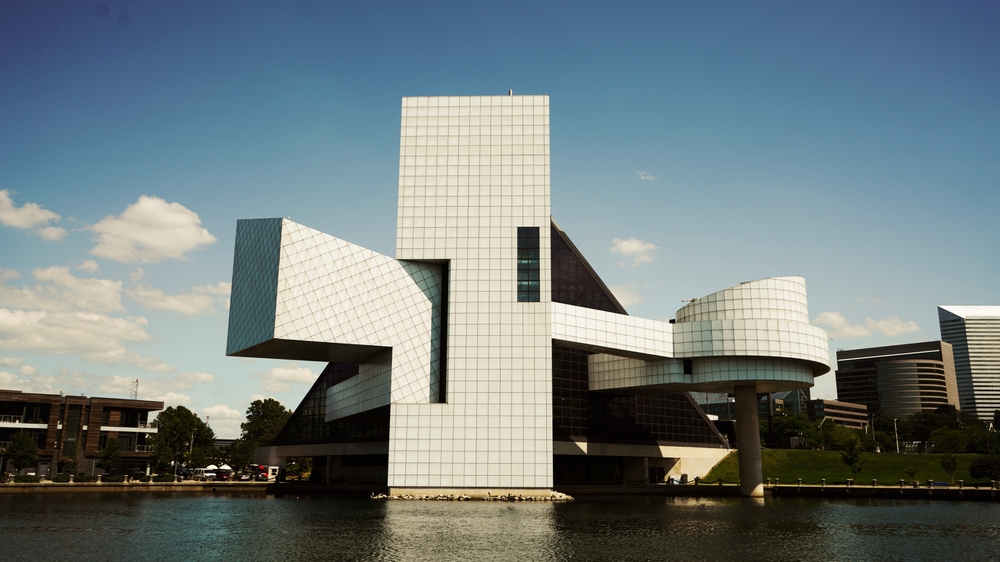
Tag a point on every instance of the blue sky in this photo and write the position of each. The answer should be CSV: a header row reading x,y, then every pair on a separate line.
x,y
694,146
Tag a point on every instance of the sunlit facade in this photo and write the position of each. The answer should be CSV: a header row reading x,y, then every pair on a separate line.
x,y
488,354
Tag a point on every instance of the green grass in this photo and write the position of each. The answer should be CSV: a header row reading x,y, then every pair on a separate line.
x,y
812,466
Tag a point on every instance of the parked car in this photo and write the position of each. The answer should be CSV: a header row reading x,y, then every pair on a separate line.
x,y
203,474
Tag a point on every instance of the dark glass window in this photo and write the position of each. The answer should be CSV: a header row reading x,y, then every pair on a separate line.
x,y
615,418
308,422
528,271
574,281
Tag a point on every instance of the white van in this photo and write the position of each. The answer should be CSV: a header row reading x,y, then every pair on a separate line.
x,y
203,474
264,473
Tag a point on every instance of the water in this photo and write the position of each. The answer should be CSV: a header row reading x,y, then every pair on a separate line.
x,y
179,527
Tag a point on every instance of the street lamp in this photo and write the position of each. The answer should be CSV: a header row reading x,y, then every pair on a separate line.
x,y
896,431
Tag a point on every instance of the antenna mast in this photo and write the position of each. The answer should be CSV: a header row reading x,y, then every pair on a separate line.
x,y
135,389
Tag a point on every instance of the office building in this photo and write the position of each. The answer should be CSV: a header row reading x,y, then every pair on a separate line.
x,y
488,354
853,416
898,380
974,334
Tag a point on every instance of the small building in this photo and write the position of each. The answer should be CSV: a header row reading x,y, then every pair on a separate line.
x,y
56,421
853,416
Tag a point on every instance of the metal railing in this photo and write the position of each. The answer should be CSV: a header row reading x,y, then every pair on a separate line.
x,y
10,419
4,445
143,448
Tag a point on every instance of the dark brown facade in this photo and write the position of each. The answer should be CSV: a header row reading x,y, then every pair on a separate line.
x,y
56,421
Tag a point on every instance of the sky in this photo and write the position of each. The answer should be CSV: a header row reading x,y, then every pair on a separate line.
x,y
694,146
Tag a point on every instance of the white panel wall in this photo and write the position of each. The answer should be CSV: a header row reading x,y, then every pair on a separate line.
x,y
472,170
599,329
369,389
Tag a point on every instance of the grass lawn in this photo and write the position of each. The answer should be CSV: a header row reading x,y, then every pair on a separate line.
x,y
812,466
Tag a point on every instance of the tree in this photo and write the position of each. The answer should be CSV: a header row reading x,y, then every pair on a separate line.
x,y
23,450
910,472
851,456
181,435
239,454
72,452
948,440
108,457
949,464
265,419
297,466
986,466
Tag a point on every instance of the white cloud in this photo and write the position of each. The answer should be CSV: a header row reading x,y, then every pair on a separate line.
x,y
11,361
57,290
196,377
162,389
645,176
221,411
840,327
279,379
29,216
149,231
90,266
28,370
172,399
626,294
95,337
190,304
638,250
222,289
11,381
50,233
62,313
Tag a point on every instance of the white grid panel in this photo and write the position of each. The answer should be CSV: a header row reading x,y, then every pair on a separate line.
x,y
597,328
765,318
369,389
609,372
473,170
333,291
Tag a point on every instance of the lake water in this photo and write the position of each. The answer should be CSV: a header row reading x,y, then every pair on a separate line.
x,y
181,527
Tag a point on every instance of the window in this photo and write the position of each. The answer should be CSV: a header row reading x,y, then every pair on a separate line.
x,y
528,271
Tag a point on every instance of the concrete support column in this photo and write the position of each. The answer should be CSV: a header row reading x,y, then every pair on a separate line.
x,y
748,441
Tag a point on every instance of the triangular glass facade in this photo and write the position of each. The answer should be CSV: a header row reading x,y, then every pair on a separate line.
x,y
574,282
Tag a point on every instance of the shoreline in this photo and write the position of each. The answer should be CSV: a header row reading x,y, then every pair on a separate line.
x,y
940,493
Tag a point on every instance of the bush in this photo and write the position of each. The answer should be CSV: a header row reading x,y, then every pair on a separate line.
x,y
118,478
146,478
27,479
85,478
986,466
61,478
163,478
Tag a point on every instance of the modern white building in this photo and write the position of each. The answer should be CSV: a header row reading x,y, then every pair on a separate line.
x,y
488,355
974,334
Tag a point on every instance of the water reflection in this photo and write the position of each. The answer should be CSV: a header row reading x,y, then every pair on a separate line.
x,y
174,527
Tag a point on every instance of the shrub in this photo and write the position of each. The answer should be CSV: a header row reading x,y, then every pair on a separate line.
x,y
61,478
118,478
85,478
27,479
145,478
163,478
986,466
